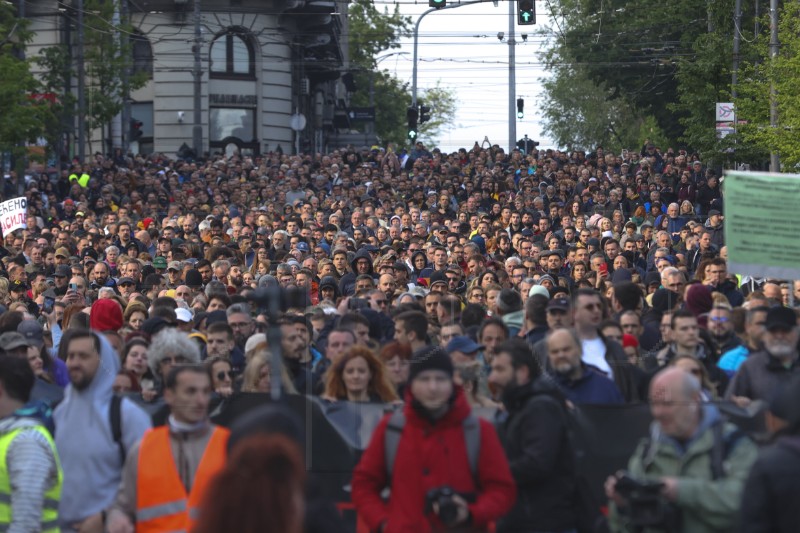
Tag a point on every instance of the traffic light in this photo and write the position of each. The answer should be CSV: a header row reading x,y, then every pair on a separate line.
x,y
412,114
520,108
136,130
438,4
424,114
526,12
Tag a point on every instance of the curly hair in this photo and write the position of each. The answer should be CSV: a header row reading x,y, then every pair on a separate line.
x,y
379,384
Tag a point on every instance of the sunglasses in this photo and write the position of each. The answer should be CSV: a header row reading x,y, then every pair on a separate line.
x,y
223,373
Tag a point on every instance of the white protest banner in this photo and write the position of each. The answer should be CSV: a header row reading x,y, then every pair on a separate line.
x,y
13,215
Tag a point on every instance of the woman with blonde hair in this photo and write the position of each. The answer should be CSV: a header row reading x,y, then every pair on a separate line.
x,y
359,376
258,375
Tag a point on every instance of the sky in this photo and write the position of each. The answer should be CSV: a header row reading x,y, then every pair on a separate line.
x,y
460,48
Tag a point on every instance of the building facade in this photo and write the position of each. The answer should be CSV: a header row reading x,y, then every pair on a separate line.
x,y
261,63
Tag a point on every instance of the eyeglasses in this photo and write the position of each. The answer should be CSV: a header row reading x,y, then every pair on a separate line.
x,y
721,319
223,373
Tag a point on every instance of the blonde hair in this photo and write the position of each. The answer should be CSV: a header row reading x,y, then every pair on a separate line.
x,y
252,374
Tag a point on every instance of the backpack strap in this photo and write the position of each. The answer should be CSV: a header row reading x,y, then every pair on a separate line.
x,y
115,417
391,440
472,439
722,447
394,430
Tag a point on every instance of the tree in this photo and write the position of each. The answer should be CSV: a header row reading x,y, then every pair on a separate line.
x,y
108,57
56,73
757,79
22,116
373,32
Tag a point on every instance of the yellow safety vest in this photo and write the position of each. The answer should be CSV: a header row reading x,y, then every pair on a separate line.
x,y
49,522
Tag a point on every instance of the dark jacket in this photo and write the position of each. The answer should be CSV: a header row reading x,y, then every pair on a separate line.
x,y
592,388
430,455
731,292
347,284
630,380
759,377
769,502
537,446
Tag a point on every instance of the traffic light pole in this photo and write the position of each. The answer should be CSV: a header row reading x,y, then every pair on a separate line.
x,y
512,78
416,41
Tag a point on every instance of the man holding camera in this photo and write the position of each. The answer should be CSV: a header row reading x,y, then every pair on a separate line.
x,y
445,467
689,474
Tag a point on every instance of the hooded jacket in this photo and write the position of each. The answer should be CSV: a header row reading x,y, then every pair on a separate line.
x,y
90,457
540,456
347,284
329,281
32,466
432,454
414,272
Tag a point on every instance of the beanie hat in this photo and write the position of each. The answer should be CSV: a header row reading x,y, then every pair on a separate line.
x,y
430,358
194,278
629,340
106,315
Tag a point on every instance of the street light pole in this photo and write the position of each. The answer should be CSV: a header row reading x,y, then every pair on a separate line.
x,y
197,130
512,78
774,158
416,43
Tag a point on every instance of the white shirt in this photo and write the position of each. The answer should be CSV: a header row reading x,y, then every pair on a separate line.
x,y
594,353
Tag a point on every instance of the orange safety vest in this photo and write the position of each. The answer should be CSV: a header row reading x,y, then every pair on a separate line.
x,y
161,500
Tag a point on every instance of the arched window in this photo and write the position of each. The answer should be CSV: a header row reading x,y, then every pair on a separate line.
x,y
142,54
232,55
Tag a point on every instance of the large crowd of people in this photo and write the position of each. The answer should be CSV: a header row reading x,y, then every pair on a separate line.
x,y
147,293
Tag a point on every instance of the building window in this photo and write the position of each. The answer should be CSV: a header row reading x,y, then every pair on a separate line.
x,y
232,56
232,122
142,55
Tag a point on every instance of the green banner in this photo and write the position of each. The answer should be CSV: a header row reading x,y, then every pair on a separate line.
x,y
760,232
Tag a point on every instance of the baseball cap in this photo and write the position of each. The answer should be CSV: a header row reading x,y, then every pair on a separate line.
x,y
62,252
558,304
780,318
183,314
175,265
303,247
160,262
124,280
463,344
12,340
63,271
18,285
32,331
714,212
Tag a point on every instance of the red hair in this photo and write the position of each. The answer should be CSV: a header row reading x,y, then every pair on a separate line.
x,y
261,488
379,384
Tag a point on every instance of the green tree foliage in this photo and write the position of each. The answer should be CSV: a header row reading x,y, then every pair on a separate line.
x,y
642,60
756,80
56,71
107,57
373,32
22,118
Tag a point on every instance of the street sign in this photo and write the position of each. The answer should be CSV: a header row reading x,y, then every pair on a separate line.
x,y
362,113
725,112
297,122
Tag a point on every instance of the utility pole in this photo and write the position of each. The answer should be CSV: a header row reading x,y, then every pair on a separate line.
x,y
774,158
81,87
125,78
512,77
197,130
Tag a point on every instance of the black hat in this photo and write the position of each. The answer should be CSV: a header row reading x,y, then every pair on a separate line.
x,y
194,278
430,358
780,318
18,285
438,276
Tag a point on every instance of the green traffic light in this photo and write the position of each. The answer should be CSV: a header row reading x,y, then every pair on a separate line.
x,y
438,4
520,115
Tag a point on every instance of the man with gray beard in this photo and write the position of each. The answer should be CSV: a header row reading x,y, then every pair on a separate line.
x,y
765,371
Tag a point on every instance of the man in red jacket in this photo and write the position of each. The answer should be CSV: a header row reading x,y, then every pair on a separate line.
x,y
432,453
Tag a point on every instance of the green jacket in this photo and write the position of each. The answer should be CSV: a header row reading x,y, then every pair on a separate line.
x,y
706,505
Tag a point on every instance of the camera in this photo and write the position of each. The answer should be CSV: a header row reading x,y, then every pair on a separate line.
x,y
646,507
448,509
